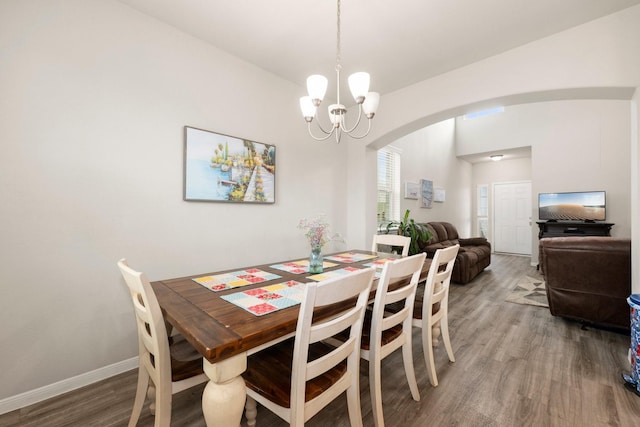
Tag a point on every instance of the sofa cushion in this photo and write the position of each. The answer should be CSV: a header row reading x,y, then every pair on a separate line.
x,y
443,232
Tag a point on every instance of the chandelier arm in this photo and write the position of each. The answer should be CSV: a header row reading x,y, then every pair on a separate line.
x,y
364,134
326,132
326,136
344,121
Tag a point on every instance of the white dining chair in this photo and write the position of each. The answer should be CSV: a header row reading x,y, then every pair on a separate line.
x,y
295,379
391,240
384,332
432,310
171,363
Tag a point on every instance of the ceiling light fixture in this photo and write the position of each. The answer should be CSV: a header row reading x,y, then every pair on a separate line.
x,y
496,157
359,85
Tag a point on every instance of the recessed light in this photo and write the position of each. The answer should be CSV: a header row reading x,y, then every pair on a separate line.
x,y
496,157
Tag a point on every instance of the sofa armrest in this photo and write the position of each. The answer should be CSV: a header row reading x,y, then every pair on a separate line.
x,y
432,248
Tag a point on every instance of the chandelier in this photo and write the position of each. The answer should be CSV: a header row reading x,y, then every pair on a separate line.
x,y
358,84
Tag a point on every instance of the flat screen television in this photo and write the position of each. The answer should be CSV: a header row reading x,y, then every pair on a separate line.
x,y
575,206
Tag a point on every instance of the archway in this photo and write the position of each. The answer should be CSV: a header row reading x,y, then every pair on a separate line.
x,y
365,207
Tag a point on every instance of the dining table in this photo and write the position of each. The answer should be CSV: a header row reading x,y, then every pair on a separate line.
x,y
228,315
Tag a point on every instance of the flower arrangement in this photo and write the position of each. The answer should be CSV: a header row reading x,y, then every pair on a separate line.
x,y
317,231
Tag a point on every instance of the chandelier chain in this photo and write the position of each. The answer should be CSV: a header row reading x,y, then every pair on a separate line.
x,y
338,52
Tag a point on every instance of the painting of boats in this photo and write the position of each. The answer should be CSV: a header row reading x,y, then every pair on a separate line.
x,y
223,168
225,182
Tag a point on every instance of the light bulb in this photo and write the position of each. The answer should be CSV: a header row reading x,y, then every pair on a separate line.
x,y
370,104
359,85
307,108
317,87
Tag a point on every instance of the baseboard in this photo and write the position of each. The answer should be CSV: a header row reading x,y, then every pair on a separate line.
x,y
52,390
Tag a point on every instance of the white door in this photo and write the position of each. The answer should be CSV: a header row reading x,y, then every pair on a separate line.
x,y
512,217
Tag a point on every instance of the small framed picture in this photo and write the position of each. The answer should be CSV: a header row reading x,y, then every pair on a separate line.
x,y
411,190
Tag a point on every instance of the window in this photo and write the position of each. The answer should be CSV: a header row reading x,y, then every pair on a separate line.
x,y
483,113
483,210
388,184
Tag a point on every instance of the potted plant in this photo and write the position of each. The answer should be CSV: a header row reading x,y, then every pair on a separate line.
x,y
418,233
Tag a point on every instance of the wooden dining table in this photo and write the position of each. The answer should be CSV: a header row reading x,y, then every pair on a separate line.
x,y
225,334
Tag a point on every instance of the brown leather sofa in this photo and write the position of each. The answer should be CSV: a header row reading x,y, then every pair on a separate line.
x,y
474,254
588,279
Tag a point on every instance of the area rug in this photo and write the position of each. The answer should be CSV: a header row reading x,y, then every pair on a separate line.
x,y
529,291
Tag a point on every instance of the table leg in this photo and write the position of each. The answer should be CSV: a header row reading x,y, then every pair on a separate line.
x,y
224,396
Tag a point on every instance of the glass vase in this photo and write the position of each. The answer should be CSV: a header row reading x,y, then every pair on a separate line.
x,y
315,260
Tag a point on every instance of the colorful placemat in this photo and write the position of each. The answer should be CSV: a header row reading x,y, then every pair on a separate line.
x,y
221,282
350,257
299,267
260,301
332,274
378,264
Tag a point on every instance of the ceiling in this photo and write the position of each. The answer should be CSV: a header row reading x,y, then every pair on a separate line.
x,y
399,43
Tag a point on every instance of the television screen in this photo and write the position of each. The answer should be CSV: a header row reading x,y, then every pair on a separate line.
x,y
577,206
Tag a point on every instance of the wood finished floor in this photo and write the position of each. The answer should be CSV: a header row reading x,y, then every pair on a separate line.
x,y
516,365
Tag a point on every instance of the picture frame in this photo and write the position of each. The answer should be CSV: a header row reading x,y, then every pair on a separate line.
x,y
223,168
411,190
439,195
426,193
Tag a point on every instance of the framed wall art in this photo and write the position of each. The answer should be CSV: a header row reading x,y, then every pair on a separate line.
x,y
426,193
411,190
223,168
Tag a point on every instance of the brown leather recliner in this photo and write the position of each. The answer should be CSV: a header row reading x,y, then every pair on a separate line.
x,y
474,254
588,278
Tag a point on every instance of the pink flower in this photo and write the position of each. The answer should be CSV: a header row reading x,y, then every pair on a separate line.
x,y
317,231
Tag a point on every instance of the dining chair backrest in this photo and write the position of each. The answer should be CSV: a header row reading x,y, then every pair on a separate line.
x,y
153,341
435,306
155,353
409,267
392,330
323,294
318,372
393,240
438,281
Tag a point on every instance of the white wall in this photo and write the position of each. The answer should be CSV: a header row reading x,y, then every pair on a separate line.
x,y
589,152
580,145
429,153
94,100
